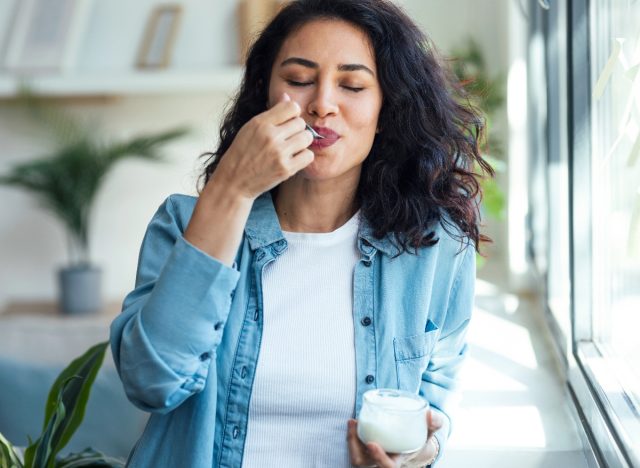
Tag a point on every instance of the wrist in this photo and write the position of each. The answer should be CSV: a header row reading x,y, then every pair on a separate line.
x,y
425,456
434,450
225,178
222,191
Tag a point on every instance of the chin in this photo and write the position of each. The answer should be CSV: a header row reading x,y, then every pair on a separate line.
x,y
313,173
322,169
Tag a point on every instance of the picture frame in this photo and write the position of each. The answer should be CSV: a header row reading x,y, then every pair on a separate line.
x,y
252,16
44,36
159,37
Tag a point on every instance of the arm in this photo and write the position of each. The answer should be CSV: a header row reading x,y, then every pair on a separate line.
x,y
171,323
439,380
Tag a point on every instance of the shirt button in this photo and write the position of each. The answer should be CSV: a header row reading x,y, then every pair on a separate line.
x,y
369,379
367,263
204,356
217,326
243,374
366,321
236,432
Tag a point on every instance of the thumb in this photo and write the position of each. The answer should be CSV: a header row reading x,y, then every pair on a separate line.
x,y
285,97
434,421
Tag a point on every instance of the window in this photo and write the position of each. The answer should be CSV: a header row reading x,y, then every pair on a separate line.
x,y
615,159
605,175
589,115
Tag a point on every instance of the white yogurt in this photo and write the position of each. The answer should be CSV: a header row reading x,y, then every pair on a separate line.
x,y
395,419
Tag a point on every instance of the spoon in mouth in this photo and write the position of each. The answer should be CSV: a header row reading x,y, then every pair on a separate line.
x,y
316,135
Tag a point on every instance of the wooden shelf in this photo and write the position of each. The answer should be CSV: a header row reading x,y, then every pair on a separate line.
x,y
133,83
49,309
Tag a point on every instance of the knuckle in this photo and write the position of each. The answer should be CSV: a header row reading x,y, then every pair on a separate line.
x,y
282,169
257,121
293,106
289,172
271,144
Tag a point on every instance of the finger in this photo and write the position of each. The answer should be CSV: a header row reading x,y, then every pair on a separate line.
x,y
297,143
434,421
302,159
357,450
284,110
381,458
291,127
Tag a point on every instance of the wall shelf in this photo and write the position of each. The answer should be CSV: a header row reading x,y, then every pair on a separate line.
x,y
134,83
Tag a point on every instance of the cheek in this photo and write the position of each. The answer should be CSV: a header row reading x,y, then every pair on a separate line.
x,y
365,116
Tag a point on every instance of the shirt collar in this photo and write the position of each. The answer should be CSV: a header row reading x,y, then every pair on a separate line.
x,y
263,229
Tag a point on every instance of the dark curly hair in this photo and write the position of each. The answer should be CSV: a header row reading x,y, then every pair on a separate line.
x,y
423,160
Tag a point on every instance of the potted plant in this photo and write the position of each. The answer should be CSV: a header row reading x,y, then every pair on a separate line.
x,y
66,181
64,413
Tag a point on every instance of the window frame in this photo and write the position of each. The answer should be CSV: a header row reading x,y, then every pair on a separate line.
x,y
609,412
609,416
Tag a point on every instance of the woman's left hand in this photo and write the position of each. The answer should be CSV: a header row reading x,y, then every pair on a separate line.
x,y
372,454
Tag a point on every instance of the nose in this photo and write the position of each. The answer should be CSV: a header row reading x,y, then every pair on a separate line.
x,y
323,101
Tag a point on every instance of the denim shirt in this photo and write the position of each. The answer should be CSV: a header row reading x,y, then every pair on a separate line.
x,y
187,341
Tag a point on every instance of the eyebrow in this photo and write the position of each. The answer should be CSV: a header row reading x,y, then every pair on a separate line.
x,y
341,67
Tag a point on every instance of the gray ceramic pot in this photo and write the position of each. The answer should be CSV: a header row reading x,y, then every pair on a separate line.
x,y
80,289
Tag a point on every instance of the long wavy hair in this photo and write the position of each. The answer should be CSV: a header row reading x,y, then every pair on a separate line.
x,y
422,167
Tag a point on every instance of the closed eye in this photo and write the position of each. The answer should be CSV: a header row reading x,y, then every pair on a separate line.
x,y
300,84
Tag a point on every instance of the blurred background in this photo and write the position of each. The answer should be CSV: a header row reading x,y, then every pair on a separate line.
x,y
105,107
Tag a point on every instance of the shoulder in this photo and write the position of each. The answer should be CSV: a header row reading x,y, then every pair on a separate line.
x,y
451,238
178,208
453,252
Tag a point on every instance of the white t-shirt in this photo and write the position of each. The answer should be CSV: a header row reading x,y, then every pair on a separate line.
x,y
305,383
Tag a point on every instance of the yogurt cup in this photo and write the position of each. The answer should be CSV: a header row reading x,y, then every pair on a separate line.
x,y
395,419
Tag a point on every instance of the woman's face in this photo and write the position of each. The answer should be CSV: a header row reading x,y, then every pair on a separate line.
x,y
329,69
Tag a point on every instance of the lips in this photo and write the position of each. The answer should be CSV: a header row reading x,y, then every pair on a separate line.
x,y
330,137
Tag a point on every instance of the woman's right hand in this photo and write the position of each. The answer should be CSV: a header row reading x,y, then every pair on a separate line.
x,y
268,149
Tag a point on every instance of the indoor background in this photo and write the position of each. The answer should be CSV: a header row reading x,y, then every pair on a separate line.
x,y
553,375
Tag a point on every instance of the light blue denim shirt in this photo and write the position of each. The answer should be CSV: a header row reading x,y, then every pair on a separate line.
x,y
187,341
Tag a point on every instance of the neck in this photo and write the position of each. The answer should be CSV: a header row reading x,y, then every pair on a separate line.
x,y
311,206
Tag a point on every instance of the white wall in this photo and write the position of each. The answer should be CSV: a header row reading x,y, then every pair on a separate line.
x,y
32,244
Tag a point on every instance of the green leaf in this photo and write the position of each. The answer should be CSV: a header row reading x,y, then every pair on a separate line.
x,y
9,456
44,456
89,457
66,404
493,199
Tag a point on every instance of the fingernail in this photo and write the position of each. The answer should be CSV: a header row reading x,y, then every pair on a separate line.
x,y
286,97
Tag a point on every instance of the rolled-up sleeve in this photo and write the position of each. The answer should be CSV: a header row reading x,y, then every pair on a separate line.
x,y
164,340
439,381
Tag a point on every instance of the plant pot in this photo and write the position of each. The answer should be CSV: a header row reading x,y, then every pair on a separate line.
x,y
80,289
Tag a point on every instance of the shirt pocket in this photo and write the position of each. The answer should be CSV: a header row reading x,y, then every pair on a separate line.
x,y
412,355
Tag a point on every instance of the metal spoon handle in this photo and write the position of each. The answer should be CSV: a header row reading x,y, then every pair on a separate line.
x,y
315,134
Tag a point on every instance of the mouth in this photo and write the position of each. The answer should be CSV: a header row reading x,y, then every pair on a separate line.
x,y
330,137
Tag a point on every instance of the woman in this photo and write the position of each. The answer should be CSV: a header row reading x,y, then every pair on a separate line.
x,y
309,271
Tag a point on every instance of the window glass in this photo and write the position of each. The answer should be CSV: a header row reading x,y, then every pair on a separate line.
x,y
615,139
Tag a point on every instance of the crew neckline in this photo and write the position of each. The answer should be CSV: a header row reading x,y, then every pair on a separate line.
x,y
348,229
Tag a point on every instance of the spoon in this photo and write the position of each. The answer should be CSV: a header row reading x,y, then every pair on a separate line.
x,y
316,135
